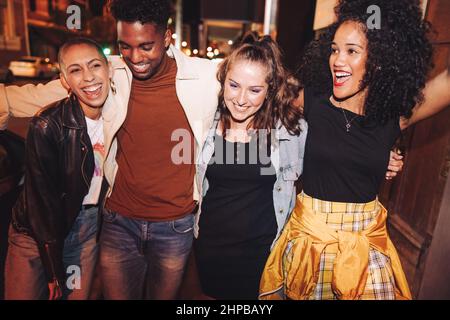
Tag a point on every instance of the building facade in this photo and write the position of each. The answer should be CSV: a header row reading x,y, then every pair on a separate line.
x,y
13,30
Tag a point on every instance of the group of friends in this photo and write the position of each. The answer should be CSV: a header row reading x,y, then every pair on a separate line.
x,y
134,163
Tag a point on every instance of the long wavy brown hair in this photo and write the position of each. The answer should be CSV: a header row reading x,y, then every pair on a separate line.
x,y
283,88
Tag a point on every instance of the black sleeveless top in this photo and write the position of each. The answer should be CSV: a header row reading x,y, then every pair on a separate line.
x,y
237,211
238,223
339,165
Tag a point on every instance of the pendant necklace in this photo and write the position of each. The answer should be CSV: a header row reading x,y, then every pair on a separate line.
x,y
348,124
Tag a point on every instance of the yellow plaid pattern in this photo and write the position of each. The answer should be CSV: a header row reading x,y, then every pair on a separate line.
x,y
353,217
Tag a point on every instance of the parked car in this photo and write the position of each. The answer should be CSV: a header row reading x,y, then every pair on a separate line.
x,y
6,75
33,67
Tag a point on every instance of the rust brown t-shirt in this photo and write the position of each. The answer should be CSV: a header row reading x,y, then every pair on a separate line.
x,y
148,184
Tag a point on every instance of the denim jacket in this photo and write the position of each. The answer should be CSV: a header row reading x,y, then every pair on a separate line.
x,y
287,153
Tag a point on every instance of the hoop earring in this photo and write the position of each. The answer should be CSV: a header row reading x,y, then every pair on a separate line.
x,y
113,86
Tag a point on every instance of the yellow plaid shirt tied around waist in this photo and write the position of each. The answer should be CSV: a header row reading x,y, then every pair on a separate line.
x,y
307,235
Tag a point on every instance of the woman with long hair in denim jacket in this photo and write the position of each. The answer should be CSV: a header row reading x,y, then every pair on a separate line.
x,y
247,169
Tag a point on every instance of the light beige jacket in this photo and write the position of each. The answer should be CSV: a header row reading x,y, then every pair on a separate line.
x,y
196,85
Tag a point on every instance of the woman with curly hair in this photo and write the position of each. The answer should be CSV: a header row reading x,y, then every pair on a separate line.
x,y
247,169
362,86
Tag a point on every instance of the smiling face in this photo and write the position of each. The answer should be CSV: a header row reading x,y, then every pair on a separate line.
x,y
142,47
348,59
86,73
245,90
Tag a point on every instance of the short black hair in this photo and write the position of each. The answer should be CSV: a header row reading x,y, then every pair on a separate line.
x,y
143,11
79,41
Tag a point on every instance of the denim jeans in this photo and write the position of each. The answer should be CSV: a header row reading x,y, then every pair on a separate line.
x,y
25,276
142,259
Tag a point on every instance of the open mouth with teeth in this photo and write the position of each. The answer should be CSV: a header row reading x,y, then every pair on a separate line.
x,y
140,68
93,91
340,77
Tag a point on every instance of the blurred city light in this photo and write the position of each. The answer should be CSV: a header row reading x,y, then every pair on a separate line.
x,y
107,51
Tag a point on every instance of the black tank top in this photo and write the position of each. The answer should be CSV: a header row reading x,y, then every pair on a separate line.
x,y
339,165
237,211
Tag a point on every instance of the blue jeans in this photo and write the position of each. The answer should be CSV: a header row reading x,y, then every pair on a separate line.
x,y
25,276
142,259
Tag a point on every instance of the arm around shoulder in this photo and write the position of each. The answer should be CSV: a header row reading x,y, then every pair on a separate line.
x,y
25,101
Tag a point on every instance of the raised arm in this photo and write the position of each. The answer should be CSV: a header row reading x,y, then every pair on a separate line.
x,y
437,97
26,100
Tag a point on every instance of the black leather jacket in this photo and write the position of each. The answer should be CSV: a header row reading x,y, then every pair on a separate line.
x,y
59,165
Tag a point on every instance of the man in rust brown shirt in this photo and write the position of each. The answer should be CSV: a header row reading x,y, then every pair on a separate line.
x,y
149,218
141,189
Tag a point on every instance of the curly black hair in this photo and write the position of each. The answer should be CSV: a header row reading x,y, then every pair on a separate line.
x,y
399,57
143,11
